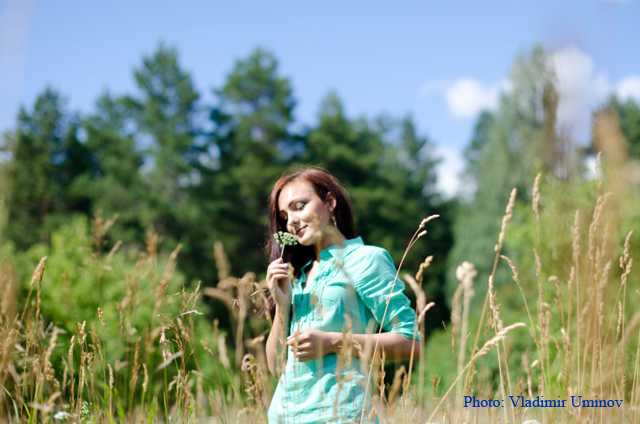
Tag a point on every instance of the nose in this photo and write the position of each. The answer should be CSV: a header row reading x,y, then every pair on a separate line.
x,y
291,219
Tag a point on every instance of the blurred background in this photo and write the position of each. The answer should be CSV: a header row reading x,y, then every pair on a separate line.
x,y
180,117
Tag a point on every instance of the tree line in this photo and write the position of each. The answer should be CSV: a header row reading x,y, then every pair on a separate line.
x,y
161,158
196,173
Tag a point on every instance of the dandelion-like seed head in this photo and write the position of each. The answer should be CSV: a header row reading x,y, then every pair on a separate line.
x,y
284,238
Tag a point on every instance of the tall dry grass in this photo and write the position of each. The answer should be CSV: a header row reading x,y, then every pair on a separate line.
x,y
586,343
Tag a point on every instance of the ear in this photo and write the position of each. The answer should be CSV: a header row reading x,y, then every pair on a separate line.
x,y
331,201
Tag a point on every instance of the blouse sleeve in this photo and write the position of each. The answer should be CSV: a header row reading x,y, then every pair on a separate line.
x,y
373,286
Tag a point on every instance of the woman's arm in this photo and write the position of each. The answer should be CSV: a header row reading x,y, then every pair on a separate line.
x,y
312,344
279,282
396,346
275,341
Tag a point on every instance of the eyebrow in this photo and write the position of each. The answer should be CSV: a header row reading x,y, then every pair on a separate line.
x,y
297,199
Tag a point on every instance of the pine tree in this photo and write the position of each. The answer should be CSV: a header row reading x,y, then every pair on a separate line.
x,y
47,160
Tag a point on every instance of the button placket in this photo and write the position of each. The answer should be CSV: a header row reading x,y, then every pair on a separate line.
x,y
319,284
324,277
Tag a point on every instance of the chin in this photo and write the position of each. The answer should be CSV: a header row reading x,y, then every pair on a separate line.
x,y
306,241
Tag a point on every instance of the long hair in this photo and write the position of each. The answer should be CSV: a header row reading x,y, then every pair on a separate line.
x,y
323,183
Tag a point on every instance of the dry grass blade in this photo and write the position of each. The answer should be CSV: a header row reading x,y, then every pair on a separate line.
x,y
222,261
423,266
169,360
220,295
421,297
483,351
38,273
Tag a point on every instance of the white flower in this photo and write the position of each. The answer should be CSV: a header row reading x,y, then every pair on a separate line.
x,y
62,415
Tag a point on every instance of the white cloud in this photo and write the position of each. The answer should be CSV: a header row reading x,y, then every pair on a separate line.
x,y
582,89
465,97
449,170
629,88
574,72
581,86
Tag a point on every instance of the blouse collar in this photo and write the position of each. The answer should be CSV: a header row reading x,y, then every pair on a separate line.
x,y
339,250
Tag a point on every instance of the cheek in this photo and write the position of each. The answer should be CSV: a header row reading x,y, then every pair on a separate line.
x,y
322,214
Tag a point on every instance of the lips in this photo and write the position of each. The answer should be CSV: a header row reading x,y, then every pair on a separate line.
x,y
300,230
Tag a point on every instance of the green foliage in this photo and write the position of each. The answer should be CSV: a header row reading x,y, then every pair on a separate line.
x,y
510,146
165,112
253,146
47,157
160,159
125,300
77,283
117,185
628,113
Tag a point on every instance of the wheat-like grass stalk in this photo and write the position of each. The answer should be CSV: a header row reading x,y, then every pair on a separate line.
x,y
490,344
419,233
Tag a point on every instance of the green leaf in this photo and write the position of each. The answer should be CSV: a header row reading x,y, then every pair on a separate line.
x,y
119,405
151,412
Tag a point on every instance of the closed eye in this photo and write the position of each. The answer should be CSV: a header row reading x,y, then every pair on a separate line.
x,y
299,203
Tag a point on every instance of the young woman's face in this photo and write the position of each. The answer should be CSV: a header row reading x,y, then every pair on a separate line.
x,y
297,205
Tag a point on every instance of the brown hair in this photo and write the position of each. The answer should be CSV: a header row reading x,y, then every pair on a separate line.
x,y
323,183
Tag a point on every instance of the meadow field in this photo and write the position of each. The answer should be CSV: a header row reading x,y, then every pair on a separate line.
x,y
132,256
93,336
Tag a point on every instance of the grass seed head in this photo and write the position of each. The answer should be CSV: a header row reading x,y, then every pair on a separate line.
x,y
427,219
284,238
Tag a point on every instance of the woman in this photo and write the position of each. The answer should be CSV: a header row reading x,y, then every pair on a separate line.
x,y
339,284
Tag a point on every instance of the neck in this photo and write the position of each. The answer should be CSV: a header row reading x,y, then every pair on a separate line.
x,y
330,236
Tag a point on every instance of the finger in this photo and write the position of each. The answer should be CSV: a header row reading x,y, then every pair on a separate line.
x,y
297,335
301,346
297,351
273,272
276,270
293,337
294,341
305,357
277,265
278,273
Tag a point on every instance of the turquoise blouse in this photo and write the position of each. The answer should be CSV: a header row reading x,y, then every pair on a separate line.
x,y
355,280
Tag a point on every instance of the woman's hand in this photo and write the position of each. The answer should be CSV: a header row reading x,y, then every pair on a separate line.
x,y
279,282
310,344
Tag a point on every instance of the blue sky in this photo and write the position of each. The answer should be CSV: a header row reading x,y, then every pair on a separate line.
x,y
439,61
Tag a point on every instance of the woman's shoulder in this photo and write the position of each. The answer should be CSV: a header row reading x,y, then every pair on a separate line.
x,y
370,249
368,253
